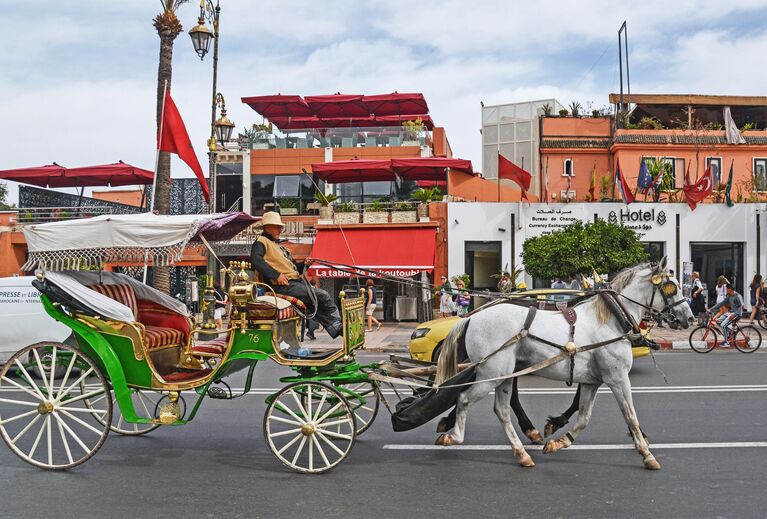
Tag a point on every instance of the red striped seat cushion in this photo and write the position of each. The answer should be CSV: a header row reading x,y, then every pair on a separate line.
x,y
215,346
159,336
293,301
122,293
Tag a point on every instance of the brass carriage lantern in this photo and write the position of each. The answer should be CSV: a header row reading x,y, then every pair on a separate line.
x,y
223,124
201,35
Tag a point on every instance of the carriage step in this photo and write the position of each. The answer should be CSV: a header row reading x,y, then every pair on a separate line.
x,y
220,393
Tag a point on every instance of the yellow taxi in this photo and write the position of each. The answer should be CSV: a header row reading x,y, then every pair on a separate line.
x,y
426,339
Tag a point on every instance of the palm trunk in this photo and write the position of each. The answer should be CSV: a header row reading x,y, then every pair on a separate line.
x,y
161,275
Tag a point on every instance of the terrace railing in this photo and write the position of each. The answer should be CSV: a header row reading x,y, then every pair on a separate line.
x,y
30,215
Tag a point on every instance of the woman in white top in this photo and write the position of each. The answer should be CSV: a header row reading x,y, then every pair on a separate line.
x,y
721,289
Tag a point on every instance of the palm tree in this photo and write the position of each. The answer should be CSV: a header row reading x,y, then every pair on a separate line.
x,y
168,27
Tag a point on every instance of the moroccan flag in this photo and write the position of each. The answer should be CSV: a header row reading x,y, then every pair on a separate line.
x,y
593,183
697,192
507,169
174,138
727,196
620,182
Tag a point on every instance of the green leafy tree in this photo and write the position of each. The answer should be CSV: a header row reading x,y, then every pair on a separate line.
x,y
578,248
3,196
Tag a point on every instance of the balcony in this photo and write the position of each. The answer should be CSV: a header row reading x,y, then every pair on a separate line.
x,y
353,137
32,215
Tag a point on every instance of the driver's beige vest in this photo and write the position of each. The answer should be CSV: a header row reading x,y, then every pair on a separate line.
x,y
278,258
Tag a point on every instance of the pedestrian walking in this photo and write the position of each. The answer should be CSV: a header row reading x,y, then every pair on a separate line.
x,y
558,283
697,303
574,284
721,289
372,301
222,299
756,291
462,299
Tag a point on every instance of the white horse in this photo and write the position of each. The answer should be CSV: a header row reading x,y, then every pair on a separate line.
x,y
639,289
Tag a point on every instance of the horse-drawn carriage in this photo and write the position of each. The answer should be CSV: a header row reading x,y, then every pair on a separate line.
x,y
139,356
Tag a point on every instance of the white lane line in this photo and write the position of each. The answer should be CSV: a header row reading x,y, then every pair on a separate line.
x,y
578,447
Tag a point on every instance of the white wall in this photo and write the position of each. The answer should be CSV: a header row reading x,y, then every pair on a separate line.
x,y
477,221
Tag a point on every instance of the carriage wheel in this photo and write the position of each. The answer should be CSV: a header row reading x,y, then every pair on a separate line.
x,y
143,401
365,399
309,426
43,420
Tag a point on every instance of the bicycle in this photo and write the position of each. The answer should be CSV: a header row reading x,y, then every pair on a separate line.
x,y
704,338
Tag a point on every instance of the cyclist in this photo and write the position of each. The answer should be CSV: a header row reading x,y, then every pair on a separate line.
x,y
734,304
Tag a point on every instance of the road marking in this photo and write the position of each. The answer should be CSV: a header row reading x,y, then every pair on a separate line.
x,y
578,447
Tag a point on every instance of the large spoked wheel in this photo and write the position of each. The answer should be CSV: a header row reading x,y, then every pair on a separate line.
x,y
43,419
747,338
309,426
365,399
144,402
703,339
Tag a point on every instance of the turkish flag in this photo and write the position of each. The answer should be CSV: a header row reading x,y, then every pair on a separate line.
x,y
174,138
507,169
697,192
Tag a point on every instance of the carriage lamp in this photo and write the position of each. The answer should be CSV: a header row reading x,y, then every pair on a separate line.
x,y
223,124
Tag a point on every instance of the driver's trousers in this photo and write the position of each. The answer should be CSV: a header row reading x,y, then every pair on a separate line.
x,y
327,312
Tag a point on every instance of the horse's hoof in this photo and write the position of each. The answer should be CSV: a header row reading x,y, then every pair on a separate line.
x,y
534,436
550,446
525,460
445,440
650,463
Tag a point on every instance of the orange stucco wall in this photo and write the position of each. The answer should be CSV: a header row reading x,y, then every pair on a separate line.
x,y
576,126
584,162
478,189
13,247
121,196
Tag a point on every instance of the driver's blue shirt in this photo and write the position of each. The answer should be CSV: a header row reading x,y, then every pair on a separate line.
x,y
734,302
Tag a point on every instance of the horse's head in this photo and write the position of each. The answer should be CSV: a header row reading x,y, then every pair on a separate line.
x,y
666,297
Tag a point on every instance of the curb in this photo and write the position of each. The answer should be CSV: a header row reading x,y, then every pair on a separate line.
x,y
674,345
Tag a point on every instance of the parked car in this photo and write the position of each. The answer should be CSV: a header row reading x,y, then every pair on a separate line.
x,y
426,339
23,320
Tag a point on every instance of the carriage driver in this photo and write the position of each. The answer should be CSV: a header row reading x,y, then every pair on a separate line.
x,y
277,267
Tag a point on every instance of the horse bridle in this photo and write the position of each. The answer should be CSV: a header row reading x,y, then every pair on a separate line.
x,y
667,288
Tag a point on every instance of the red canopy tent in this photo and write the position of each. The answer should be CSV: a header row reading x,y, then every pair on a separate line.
x,y
429,168
53,175
338,105
347,171
396,103
279,106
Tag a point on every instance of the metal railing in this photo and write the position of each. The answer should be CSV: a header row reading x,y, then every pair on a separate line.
x,y
29,215
352,137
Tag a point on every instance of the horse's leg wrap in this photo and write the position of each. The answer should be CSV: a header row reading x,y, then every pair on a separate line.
x,y
554,423
522,419
446,422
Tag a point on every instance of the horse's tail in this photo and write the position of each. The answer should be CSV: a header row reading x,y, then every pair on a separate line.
x,y
447,364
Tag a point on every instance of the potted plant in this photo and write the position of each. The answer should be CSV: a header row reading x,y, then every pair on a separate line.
x,y
423,196
604,188
563,112
346,213
375,213
575,109
404,212
547,110
414,132
326,212
289,206
259,136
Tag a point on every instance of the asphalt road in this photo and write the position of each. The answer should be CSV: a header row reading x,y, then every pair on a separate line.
x,y
219,465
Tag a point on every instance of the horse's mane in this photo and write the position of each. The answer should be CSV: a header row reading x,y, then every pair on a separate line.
x,y
619,282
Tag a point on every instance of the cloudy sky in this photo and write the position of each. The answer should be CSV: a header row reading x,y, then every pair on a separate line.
x,y
78,77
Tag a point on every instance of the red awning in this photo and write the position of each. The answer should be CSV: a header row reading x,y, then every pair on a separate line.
x,y
117,174
337,105
398,251
397,103
279,106
346,171
429,168
397,120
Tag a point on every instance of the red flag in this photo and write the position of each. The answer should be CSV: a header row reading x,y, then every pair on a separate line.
x,y
507,169
545,185
593,183
174,138
620,182
697,192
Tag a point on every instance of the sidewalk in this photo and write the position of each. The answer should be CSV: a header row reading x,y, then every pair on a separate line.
x,y
391,338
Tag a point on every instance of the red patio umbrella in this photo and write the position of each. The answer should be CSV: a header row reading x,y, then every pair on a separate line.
x,y
347,171
396,103
297,123
429,168
115,175
338,105
279,106
37,176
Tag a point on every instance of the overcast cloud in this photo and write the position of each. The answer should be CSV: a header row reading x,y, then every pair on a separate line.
x,y
79,78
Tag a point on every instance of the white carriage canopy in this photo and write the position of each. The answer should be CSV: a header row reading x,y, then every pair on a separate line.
x,y
157,239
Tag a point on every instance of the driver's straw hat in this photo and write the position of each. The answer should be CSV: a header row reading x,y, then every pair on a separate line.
x,y
271,218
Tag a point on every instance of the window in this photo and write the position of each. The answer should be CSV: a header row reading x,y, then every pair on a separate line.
x,y
567,170
669,167
760,174
716,169
286,186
